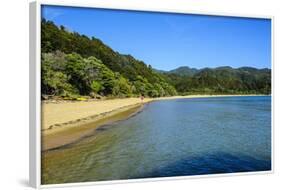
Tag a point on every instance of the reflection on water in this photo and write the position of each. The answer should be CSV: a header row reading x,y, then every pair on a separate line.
x,y
171,138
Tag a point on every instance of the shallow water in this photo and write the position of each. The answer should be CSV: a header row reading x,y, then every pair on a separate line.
x,y
171,138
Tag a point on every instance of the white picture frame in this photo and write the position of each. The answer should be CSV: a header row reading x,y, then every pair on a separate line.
x,y
35,93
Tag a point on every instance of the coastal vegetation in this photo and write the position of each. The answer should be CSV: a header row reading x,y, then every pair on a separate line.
x,y
220,80
75,66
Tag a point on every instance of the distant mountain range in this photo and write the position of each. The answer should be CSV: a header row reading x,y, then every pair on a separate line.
x,y
220,79
187,71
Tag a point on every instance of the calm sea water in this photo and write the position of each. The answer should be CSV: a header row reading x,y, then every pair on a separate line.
x,y
171,138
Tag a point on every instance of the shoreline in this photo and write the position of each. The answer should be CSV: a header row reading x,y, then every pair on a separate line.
x,y
61,137
64,124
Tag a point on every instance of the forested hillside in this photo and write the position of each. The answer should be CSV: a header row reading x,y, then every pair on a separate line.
x,y
184,71
222,80
74,65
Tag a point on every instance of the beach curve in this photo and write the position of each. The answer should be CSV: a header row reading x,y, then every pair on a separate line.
x,y
66,122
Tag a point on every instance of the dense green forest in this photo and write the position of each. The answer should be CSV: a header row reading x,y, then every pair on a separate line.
x,y
220,80
75,66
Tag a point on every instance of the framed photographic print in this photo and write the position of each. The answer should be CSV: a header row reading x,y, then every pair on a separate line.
x,y
122,94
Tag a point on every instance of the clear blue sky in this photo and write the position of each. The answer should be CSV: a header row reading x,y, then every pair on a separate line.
x,y
167,41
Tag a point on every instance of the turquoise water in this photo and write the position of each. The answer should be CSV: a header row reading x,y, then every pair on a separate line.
x,y
172,138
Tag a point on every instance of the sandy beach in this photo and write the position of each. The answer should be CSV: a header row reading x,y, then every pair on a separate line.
x,y
66,122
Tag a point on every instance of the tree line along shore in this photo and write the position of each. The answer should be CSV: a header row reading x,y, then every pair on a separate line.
x,y
76,67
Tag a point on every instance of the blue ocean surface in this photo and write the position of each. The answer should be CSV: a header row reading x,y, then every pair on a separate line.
x,y
178,137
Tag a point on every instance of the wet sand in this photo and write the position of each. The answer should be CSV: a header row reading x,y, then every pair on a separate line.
x,y
63,136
